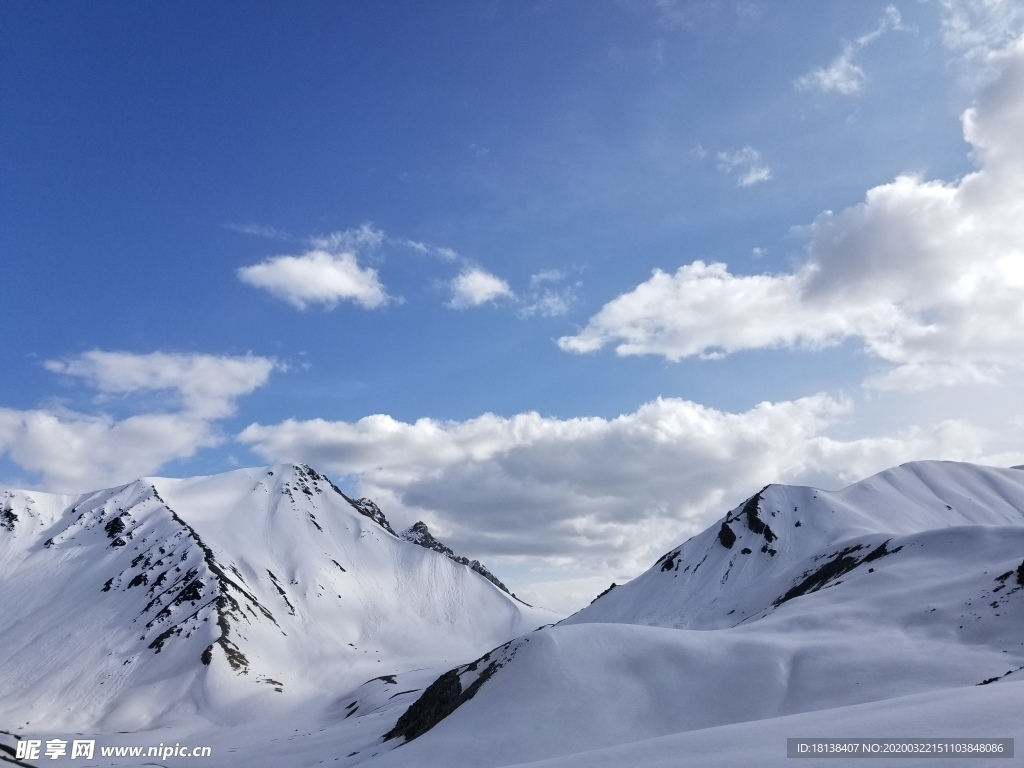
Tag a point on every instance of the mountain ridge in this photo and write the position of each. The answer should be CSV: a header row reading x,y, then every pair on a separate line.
x,y
419,533
891,602
218,591
903,583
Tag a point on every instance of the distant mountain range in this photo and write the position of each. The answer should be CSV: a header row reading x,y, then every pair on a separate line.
x,y
266,614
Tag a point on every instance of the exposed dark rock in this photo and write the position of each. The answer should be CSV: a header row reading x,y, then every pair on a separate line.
x,y
751,510
362,506
726,536
841,562
13,759
1020,574
140,579
445,695
610,588
280,590
192,592
158,643
746,551
440,699
421,535
8,519
224,602
880,551
114,527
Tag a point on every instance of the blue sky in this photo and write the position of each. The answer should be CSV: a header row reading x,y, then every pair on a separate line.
x,y
566,280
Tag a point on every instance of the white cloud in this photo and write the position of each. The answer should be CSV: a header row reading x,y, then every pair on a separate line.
x,y
843,75
330,272
75,451
317,277
475,286
704,310
977,28
592,495
746,163
207,384
928,275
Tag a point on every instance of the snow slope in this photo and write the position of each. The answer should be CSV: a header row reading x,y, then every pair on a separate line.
x,y
892,608
218,599
797,604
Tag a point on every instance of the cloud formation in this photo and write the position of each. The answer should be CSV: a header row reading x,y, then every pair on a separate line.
x,y
977,28
592,495
929,275
746,164
207,385
843,75
549,295
74,451
475,286
318,276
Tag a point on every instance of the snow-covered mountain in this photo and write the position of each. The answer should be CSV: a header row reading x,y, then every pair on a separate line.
x,y
799,611
265,614
221,598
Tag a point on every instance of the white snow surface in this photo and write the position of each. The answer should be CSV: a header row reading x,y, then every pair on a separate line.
x,y
892,608
217,601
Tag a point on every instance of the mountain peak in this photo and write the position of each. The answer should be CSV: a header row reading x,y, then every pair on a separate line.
x,y
222,588
806,539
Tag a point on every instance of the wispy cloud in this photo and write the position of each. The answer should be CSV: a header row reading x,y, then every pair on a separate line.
x,y
352,240
746,164
843,75
262,230
549,295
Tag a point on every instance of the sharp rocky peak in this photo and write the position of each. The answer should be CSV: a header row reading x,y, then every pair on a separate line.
x,y
420,534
